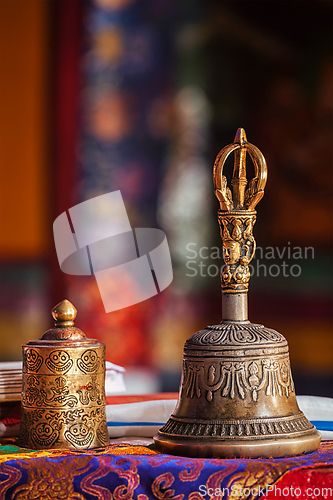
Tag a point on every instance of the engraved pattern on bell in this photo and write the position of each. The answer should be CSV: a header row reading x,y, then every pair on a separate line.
x,y
233,428
237,379
231,333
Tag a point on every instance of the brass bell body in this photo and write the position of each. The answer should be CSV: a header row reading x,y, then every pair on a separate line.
x,y
237,397
63,388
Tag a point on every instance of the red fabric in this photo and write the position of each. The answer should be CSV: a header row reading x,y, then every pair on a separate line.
x,y
68,42
303,483
67,92
138,398
13,416
124,472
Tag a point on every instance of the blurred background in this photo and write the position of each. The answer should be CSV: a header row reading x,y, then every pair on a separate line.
x,y
140,95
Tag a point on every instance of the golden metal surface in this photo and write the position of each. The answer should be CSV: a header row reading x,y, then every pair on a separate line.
x,y
63,387
237,215
64,314
237,396
240,199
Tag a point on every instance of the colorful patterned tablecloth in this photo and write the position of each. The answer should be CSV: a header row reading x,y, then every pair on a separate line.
x,y
126,472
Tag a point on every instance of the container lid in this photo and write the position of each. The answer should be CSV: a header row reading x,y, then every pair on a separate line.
x,y
64,332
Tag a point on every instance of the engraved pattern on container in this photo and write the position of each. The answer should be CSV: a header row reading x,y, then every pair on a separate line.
x,y
89,361
59,361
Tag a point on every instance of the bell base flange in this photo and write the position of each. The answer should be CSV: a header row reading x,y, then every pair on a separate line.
x,y
188,446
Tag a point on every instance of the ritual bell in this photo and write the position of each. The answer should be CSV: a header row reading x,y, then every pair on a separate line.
x,y
237,396
63,387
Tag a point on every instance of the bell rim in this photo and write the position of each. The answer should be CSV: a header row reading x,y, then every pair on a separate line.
x,y
269,447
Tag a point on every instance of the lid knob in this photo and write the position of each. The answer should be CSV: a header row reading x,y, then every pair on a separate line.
x,y
64,314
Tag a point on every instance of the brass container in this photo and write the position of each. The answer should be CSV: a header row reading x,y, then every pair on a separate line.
x,y
237,397
63,388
